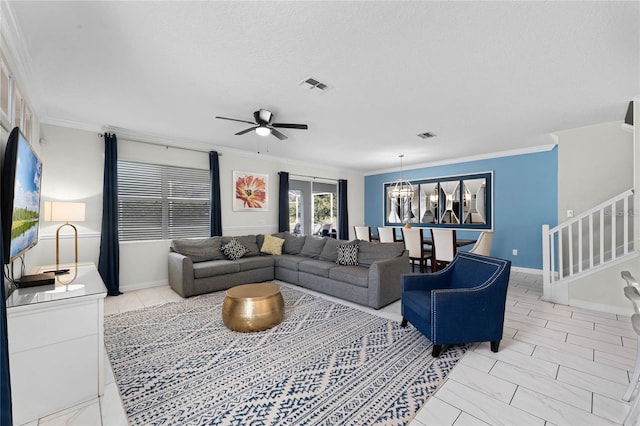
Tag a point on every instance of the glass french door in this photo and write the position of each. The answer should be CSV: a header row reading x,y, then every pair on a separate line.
x,y
313,208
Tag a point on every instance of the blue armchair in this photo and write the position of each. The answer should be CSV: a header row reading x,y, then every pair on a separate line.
x,y
462,303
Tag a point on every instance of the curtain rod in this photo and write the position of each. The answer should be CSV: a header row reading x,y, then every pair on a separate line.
x,y
313,177
160,144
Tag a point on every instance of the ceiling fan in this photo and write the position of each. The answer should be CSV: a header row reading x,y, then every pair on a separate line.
x,y
263,125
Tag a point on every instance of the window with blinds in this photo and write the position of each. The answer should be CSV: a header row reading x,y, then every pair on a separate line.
x,y
157,202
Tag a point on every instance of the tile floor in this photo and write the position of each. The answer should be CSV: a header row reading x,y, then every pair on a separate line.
x,y
557,365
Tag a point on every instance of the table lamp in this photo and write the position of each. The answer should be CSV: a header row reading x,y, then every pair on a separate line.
x,y
62,211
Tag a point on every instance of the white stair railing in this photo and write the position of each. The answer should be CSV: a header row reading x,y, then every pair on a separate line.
x,y
588,241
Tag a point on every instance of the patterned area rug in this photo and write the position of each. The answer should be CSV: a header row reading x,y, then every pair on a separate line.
x,y
325,364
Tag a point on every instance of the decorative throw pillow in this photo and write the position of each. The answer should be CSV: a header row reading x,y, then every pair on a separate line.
x,y
272,245
347,254
233,250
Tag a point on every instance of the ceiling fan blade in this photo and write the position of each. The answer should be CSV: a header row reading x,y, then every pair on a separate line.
x,y
235,119
291,126
247,130
278,135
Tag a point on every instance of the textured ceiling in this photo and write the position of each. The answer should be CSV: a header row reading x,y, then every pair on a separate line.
x,y
483,76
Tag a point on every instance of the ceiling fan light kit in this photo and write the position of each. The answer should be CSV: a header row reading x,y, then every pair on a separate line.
x,y
263,125
263,131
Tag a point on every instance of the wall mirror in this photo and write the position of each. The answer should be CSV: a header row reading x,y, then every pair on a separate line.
x,y
452,201
401,208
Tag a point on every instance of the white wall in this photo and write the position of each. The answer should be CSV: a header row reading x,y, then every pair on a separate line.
x,y
604,290
595,163
73,171
72,168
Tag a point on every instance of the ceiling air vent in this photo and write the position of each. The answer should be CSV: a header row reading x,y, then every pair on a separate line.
x,y
426,135
314,85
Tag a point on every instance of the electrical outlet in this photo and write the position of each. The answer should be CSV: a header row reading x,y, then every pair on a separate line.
x,y
515,252
569,213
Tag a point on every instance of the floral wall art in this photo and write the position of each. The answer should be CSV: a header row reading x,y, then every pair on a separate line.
x,y
250,191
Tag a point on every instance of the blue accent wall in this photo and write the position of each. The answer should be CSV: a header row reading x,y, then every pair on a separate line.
x,y
525,197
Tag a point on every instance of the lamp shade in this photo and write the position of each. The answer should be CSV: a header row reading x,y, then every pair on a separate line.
x,y
62,211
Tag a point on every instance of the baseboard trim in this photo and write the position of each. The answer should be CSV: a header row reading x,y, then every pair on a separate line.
x,y
526,270
142,286
617,310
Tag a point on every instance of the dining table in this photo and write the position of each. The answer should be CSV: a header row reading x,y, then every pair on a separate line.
x,y
428,241
459,242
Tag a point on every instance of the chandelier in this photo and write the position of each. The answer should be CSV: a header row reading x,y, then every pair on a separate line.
x,y
401,188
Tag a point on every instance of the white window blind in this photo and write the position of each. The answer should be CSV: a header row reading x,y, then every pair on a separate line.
x,y
162,202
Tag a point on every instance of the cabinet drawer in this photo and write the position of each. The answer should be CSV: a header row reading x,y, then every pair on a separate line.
x,y
61,322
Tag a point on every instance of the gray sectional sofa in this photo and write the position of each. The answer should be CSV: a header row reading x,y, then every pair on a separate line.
x,y
197,266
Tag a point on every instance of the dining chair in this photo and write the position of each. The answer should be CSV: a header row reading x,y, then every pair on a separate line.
x,y
363,232
483,245
632,292
632,415
413,242
443,249
387,235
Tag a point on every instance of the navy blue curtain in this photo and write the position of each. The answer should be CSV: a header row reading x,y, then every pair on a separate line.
x,y
283,202
109,260
216,210
343,215
5,382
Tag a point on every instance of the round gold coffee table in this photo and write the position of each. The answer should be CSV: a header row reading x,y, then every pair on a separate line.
x,y
253,307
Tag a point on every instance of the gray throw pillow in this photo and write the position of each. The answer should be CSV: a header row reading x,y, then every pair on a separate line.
x,y
370,252
198,249
313,247
250,242
330,250
292,244
260,241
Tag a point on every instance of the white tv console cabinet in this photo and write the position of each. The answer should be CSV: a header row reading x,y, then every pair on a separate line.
x,y
56,343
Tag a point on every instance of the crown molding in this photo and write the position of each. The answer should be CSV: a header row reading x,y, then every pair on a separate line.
x,y
499,154
17,55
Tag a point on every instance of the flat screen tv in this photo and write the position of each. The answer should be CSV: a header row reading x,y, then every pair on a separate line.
x,y
20,201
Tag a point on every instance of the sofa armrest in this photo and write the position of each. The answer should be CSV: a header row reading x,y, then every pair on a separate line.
x,y
384,280
181,274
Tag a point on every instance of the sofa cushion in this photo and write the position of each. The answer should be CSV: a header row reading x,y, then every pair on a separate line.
x,y
370,252
313,247
292,244
317,267
272,245
198,249
256,262
347,254
356,275
288,261
233,250
330,250
214,268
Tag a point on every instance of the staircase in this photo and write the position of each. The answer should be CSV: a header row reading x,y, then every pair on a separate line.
x,y
590,242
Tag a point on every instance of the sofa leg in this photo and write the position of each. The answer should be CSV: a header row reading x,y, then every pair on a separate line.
x,y
437,350
495,345
404,322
